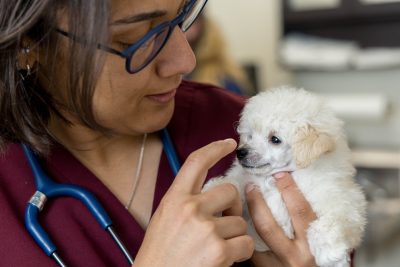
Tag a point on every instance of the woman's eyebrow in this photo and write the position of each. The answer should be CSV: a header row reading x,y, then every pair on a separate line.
x,y
139,17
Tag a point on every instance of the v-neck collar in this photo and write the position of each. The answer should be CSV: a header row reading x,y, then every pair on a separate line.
x,y
64,167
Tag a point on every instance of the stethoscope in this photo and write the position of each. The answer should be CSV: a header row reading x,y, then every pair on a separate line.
x,y
46,188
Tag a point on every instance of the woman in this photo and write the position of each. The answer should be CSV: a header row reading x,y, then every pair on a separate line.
x,y
66,93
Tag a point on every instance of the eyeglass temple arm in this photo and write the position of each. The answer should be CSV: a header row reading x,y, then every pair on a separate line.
x,y
99,46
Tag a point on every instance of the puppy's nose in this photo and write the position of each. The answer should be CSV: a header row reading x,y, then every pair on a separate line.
x,y
241,153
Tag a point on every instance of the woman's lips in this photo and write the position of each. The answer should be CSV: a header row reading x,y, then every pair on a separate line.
x,y
163,98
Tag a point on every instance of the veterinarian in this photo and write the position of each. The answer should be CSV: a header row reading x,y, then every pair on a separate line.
x,y
86,89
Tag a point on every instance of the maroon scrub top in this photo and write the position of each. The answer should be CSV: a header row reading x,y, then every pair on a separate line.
x,y
202,114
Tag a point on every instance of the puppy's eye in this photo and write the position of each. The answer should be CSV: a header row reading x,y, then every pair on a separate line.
x,y
275,140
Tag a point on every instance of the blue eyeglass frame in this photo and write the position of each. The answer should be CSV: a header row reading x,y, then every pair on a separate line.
x,y
130,51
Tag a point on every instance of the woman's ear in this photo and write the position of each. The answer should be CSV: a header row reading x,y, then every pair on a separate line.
x,y
309,145
27,55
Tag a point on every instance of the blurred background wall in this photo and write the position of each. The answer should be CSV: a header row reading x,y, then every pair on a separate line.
x,y
349,52
253,29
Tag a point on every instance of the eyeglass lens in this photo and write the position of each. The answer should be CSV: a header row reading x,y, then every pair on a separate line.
x,y
148,50
193,14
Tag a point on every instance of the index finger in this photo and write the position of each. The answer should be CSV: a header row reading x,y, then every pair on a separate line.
x,y
191,177
299,209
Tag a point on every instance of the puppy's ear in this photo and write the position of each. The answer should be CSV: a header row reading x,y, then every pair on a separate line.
x,y
309,145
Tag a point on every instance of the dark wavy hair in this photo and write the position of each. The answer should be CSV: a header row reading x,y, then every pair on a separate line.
x,y
25,106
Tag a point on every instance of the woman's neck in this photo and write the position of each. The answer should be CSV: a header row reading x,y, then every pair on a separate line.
x,y
114,160
93,147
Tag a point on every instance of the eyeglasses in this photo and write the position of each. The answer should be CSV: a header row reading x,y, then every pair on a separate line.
x,y
142,52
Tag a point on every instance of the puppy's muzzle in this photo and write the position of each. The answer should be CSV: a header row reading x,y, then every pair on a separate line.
x,y
249,160
241,153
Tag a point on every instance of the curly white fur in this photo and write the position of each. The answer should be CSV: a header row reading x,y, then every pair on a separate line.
x,y
287,129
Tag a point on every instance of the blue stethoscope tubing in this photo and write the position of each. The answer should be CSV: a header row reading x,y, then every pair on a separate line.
x,y
46,188
170,151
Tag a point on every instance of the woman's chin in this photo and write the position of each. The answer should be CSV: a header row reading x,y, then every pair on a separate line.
x,y
156,120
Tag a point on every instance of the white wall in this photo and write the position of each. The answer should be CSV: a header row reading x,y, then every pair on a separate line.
x,y
252,29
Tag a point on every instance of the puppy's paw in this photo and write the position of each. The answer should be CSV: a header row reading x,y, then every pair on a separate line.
x,y
327,244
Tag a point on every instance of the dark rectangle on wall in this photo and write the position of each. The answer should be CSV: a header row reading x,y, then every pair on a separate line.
x,y
374,25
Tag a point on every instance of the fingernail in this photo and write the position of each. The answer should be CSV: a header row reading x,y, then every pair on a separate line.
x,y
230,141
243,259
280,175
251,187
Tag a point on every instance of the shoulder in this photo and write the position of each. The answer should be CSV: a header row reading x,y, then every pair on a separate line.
x,y
16,180
203,114
206,111
208,106
12,161
208,92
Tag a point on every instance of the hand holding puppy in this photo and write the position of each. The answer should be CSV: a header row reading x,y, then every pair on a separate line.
x,y
292,130
284,251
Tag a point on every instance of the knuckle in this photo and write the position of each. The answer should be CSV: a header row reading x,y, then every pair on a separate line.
x,y
190,209
164,207
193,158
209,227
302,262
249,244
241,224
286,186
265,231
230,190
219,253
300,257
302,212
163,203
166,202
252,197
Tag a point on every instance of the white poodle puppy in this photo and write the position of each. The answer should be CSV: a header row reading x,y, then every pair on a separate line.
x,y
289,129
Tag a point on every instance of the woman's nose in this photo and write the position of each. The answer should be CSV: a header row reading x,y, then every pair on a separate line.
x,y
176,57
